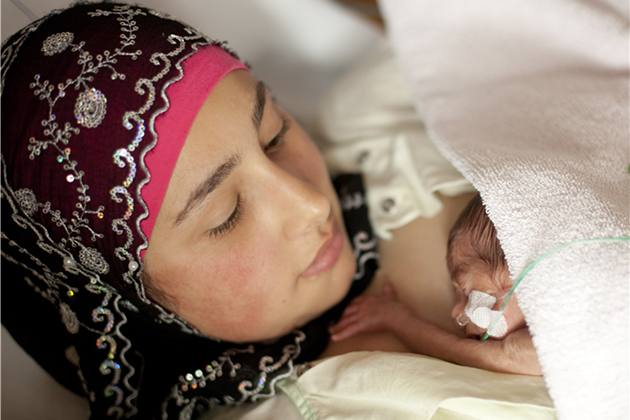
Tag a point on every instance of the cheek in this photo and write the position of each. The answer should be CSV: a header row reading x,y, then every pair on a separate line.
x,y
243,288
514,315
241,277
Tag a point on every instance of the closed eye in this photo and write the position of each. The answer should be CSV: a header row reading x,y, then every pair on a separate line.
x,y
230,223
278,140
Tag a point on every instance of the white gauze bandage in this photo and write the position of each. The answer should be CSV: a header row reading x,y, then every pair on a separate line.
x,y
479,312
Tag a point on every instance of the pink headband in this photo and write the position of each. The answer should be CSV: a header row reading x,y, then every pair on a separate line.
x,y
202,72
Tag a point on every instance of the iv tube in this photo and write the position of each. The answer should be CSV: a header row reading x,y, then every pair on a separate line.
x,y
535,262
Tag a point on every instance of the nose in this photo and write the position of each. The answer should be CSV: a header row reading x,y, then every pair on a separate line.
x,y
462,320
301,204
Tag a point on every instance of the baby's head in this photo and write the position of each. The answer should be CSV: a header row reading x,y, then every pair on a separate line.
x,y
473,246
478,268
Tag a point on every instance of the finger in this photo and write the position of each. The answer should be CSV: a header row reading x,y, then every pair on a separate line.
x,y
350,310
357,300
343,323
347,332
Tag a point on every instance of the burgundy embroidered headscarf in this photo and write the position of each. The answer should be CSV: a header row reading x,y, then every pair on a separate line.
x,y
97,101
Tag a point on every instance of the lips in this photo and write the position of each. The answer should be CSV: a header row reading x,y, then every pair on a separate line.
x,y
327,256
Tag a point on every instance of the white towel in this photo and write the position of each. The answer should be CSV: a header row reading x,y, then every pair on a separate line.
x,y
529,100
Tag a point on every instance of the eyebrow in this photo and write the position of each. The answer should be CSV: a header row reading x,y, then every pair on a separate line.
x,y
224,170
259,108
210,184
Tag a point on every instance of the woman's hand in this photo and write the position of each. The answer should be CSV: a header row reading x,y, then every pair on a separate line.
x,y
370,314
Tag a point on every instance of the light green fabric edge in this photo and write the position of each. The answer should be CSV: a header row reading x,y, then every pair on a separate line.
x,y
291,388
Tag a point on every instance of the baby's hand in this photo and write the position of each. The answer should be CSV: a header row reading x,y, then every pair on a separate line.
x,y
369,313
520,353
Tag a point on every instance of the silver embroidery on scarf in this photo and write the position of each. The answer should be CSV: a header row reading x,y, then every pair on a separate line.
x,y
90,108
352,202
249,391
72,355
93,259
90,111
53,281
364,247
363,244
69,318
27,201
57,43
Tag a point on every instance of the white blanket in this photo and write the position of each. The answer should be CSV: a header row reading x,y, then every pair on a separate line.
x,y
529,100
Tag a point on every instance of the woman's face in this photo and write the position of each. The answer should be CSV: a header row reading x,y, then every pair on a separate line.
x,y
250,241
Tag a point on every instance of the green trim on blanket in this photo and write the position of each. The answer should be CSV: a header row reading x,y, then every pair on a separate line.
x,y
539,259
293,391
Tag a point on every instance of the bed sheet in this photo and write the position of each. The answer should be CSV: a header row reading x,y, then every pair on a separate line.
x,y
400,386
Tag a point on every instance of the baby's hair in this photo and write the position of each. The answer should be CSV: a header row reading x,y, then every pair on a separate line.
x,y
474,237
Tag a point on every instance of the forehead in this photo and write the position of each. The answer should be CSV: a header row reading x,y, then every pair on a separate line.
x,y
222,128
457,254
475,278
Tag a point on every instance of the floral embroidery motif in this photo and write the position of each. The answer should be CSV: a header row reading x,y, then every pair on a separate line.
x,y
90,108
249,391
214,369
57,43
362,243
69,318
27,201
363,246
352,202
93,259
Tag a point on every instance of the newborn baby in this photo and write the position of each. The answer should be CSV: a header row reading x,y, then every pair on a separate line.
x,y
482,281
